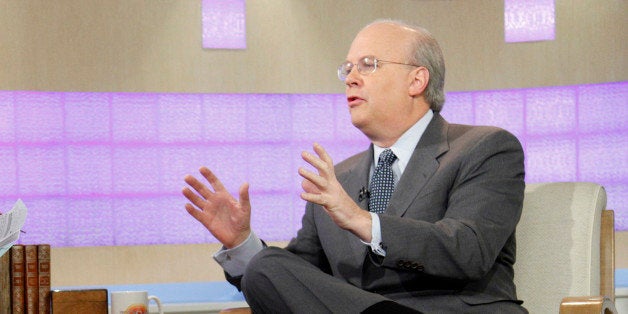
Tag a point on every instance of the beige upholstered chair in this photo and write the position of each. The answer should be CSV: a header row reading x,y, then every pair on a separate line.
x,y
565,249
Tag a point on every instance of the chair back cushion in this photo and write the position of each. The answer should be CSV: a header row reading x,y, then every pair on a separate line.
x,y
558,243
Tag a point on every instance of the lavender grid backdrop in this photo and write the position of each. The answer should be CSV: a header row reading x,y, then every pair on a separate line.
x,y
107,168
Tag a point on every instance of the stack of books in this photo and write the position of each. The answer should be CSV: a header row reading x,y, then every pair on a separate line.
x,y
25,279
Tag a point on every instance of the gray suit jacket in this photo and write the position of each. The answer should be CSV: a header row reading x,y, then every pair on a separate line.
x,y
448,230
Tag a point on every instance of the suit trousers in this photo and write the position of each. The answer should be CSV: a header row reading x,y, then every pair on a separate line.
x,y
277,281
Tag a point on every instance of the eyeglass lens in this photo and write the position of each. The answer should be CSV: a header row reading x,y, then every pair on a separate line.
x,y
365,65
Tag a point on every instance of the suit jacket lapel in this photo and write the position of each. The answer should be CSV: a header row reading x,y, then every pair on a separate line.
x,y
354,181
421,166
358,179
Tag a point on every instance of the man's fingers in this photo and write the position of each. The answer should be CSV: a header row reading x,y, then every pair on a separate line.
x,y
212,179
193,197
192,210
310,187
203,217
199,187
314,178
314,198
322,153
323,162
314,161
245,200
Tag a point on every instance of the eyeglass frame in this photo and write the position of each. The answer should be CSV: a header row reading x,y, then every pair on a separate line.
x,y
376,62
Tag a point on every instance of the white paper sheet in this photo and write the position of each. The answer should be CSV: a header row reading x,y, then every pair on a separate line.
x,y
11,223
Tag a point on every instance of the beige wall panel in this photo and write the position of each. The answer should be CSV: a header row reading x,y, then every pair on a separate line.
x,y
141,264
294,46
108,265
113,265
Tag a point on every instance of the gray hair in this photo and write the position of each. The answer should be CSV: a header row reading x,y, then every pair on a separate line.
x,y
428,54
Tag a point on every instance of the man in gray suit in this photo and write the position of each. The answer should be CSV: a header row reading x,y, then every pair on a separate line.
x,y
443,242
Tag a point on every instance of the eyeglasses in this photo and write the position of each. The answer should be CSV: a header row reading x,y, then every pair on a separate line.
x,y
365,66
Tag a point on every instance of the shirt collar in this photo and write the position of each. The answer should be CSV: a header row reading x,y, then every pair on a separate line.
x,y
404,146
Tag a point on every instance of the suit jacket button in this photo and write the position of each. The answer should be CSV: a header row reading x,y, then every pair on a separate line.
x,y
417,267
400,263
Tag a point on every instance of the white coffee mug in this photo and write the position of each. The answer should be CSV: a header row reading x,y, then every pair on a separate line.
x,y
132,302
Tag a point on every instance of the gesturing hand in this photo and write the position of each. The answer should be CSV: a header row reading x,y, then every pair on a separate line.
x,y
226,218
324,189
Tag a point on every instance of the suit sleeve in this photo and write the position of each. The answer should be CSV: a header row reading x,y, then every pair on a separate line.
x,y
306,244
477,193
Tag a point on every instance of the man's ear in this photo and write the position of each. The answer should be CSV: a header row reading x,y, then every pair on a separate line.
x,y
419,83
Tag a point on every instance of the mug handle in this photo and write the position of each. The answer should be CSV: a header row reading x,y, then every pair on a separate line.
x,y
156,299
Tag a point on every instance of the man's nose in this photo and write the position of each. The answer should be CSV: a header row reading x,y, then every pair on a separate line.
x,y
353,78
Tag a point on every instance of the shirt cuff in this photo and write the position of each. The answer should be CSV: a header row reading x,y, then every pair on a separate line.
x,y
376,236
234,260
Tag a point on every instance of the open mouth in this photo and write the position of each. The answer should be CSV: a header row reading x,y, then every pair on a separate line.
x,y
354,100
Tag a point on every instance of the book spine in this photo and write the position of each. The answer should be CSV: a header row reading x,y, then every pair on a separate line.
x,y
43,261
32,284
18,279
5,283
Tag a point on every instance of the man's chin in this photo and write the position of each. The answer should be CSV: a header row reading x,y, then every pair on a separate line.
x,y
358,123
361,125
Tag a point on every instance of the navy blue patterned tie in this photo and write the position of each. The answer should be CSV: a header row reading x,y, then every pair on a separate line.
x,y
382,182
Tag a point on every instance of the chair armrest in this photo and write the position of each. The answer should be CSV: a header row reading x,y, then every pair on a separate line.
x,y
586,305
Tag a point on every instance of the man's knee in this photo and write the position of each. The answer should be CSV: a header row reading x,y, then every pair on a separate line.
x,y
265,260
258,271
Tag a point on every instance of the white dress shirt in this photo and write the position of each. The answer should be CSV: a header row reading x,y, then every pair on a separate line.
x,y
403,149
